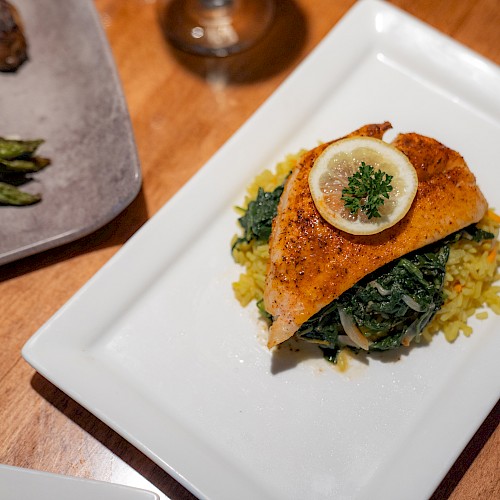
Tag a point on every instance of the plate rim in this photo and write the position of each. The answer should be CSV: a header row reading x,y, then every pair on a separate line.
x,y
30,476
134,173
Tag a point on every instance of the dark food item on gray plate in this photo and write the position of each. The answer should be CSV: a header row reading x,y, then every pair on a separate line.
x,y
13,46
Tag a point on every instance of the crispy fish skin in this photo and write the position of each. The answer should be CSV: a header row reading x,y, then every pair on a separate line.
x,y
312,263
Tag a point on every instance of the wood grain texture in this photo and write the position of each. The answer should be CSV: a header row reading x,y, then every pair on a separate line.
x,y
182,109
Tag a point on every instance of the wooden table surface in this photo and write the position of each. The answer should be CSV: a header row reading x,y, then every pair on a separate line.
x,y
181,115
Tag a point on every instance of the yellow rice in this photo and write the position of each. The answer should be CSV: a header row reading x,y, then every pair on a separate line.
x,y
471,273
254,256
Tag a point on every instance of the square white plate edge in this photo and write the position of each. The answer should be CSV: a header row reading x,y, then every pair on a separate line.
x,y
26,484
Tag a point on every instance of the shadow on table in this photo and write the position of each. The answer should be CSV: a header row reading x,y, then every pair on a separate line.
x,y
110,439
272,54
468,455
116,232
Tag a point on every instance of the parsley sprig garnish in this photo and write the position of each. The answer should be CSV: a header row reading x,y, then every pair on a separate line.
x,y
367,189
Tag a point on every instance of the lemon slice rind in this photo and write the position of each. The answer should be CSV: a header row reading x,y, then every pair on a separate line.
x,y
351,152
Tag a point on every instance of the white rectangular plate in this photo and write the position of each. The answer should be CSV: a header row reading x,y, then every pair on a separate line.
x,y
27,484
158,348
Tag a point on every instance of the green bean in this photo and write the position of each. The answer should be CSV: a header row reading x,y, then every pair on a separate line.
x,y
23,166
17,162
10,195
10,148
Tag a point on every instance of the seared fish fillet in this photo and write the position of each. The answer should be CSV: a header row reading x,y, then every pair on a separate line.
x,y
312,263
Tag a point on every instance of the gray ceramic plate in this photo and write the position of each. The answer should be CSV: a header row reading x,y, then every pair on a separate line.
x,y
69,94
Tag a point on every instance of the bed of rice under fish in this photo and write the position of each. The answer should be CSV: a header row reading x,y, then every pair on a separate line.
x,y
470,285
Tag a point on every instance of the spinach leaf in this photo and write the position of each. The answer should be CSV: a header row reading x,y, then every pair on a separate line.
x,y
473,233
392,305
258,219
388,306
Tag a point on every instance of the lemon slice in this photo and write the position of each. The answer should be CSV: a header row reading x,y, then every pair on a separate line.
x,y
341,160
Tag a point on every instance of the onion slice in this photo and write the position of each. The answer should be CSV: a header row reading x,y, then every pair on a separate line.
x,y
412,303
352,331
380,288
